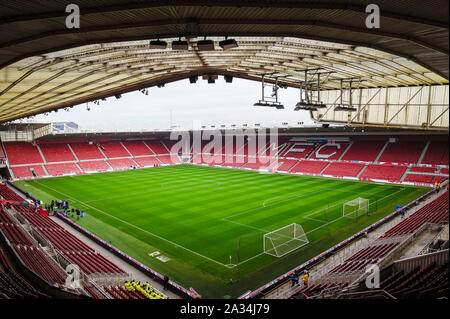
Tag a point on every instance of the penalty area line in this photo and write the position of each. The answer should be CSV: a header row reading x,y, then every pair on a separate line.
x,y
136,227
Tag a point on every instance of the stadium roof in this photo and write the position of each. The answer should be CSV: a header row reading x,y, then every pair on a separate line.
x,y
45,66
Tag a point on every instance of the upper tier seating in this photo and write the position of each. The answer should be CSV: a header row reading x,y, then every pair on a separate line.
x,y
85,151
403,152
274,149
332,152
114,150
57,153
253,150
436,154
138,148
94,166
62,169
343,169
168,144
299,150
25,171
416,169
434,212
157,147
384,172
22,153
364,151
311,167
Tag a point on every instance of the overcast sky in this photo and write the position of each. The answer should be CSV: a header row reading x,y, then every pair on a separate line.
x,y
212,104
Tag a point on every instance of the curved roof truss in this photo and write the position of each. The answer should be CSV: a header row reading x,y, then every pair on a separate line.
x,y
44,66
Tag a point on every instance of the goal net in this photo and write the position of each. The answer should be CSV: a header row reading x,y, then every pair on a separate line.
x,y
356,208
284,240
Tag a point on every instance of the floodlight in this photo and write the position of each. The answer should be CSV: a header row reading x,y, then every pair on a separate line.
x,y
193,79
276,105
228,78
180,45
228,44
158,44
205,45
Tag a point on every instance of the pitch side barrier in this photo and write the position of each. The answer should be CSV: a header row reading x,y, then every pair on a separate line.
x,y
173,286
325,255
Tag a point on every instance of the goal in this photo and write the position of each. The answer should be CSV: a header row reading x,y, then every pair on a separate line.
x,y
356,208
281,242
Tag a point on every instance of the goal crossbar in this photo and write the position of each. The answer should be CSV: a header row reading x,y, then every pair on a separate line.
x,y
356,207
285,240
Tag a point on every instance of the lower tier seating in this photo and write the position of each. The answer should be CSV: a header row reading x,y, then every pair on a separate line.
x,y
147,161
430,281
122,163
427,179
94,166
27,171
286,165
257,163
14,286
62,169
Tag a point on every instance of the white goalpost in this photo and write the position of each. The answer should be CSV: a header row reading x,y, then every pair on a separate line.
x,y
356,208
281,242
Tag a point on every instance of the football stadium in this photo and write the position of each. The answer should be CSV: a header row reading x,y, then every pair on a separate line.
x,y
353,205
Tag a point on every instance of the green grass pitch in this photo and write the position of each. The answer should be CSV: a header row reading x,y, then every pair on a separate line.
x,y
196,216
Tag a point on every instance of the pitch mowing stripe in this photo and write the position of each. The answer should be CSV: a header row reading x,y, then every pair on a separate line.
x,y
292,197
326,224
253,181
185,186
101,211
136,227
